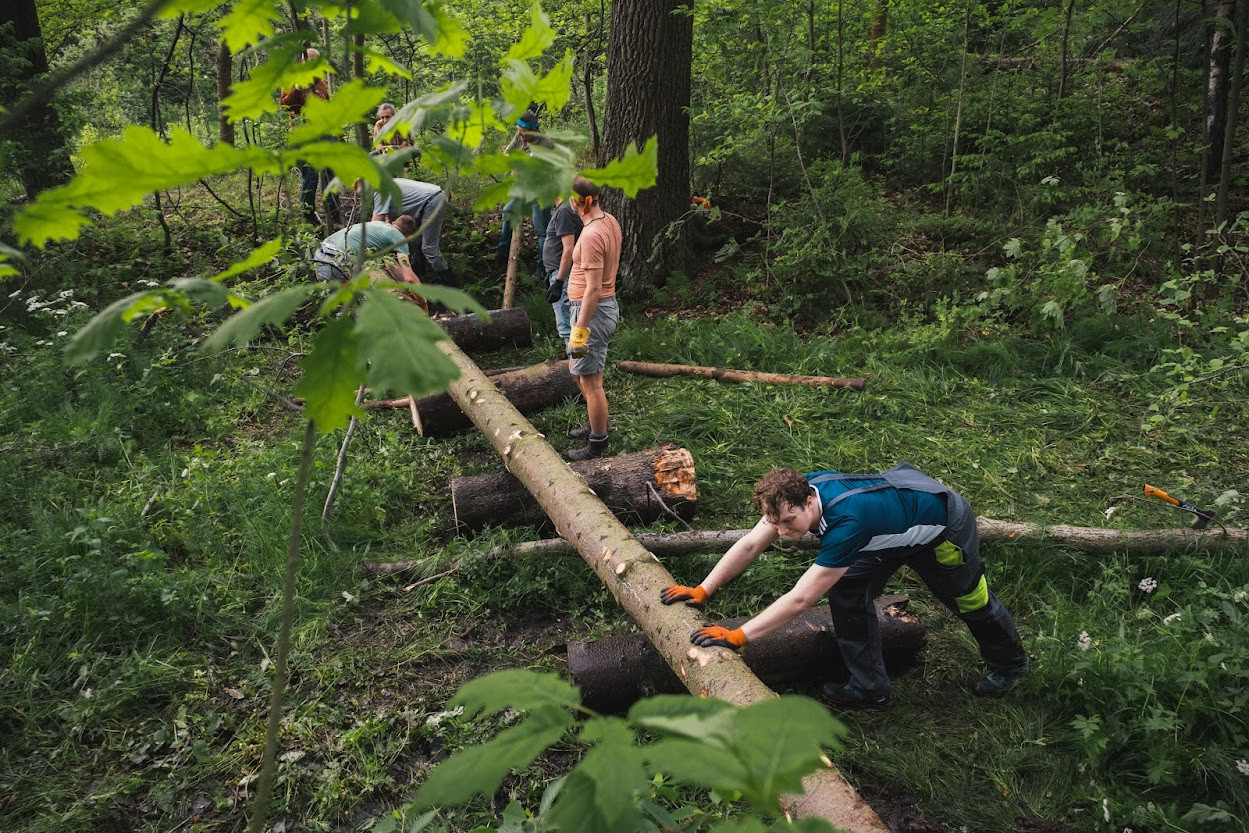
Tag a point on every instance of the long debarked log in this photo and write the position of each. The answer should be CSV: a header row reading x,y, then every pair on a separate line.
x,y
1087,539
616,672
530,389
507,328
635,577
640,484
721,374
1084,538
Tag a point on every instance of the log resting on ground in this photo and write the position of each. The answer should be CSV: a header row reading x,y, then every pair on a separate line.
x,y
507,328
1092,540
635,577
639,484
530,389
722,374
616,672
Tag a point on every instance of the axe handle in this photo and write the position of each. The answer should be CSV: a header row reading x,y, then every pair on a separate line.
x,y
1153,491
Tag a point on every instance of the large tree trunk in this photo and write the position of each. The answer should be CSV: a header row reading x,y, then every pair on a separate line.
x,y
635,578
507,328
225,73
530,389
721,374
616,672
42,157
1233,112
649,52
875,40
645,484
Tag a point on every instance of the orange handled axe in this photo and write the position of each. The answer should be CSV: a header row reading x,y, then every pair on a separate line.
x,y
1204,516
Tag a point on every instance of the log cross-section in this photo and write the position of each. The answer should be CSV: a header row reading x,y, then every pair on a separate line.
x,y
635,577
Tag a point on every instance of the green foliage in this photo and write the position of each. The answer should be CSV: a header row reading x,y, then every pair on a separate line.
x,y
705,743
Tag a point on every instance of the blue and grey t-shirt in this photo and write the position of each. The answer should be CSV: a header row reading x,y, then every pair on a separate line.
x,y
875,520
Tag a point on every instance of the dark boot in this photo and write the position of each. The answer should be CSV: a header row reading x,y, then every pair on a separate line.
x,y
597,448
581,433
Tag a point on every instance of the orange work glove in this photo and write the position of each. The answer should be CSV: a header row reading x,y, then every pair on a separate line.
x,y
692,596
711,635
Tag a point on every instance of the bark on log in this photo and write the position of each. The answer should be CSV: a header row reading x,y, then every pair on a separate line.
x,y
638,484
635,577
616,672
721,374
530,389
507,328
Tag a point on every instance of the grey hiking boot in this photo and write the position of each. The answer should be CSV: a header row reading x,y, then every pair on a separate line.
x,y
582,433
997,683
597,448
850,696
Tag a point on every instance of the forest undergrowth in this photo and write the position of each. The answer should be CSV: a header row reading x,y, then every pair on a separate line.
x,y
148,500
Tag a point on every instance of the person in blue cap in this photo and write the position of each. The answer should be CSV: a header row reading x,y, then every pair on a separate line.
x,y
869,526
528,133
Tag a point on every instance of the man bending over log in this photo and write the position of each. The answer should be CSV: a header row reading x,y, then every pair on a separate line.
x,y
869,526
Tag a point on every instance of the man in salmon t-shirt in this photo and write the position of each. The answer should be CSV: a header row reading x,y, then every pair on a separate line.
x,y
593,310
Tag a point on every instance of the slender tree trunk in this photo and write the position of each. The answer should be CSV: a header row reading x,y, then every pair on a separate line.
x,y
721,374
1233,114
590,59
649,53
41,156
958,113
1062,67
841,65
875,42
225,72
635,578
363,138
1216,96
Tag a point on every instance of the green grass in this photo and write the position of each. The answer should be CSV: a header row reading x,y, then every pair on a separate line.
x,y
134,692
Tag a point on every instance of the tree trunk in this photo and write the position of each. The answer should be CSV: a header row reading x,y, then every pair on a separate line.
x,y
635,578
364,136
41,157
1233,108
1216,95
1062,63
650,49
1092,540
880,29
225,72
513,261
721,374
507,328
590,57
530,389
616,672
646,484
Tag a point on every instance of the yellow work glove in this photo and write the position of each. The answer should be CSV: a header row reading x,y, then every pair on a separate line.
x,y
579,342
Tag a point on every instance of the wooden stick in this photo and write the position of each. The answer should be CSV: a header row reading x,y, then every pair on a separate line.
x,y
721,374
513,256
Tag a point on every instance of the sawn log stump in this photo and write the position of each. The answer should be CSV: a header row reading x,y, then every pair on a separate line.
x,y
616,672
507,328
640,484
530,389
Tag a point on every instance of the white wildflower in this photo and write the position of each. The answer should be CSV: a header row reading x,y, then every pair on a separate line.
x,y
1106,809
1239,596
1243,767
15,294
1085,641
1174,617
1148,585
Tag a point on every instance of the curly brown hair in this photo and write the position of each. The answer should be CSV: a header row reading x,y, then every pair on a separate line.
x,y
779,490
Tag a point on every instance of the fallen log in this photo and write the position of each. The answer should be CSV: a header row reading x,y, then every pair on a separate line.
x,y
530,389
616,672
635,577
721,374
507,328
644,484
1086,539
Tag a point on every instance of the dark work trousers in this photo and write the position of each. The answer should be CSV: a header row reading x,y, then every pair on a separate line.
x,y
952,569
309,179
